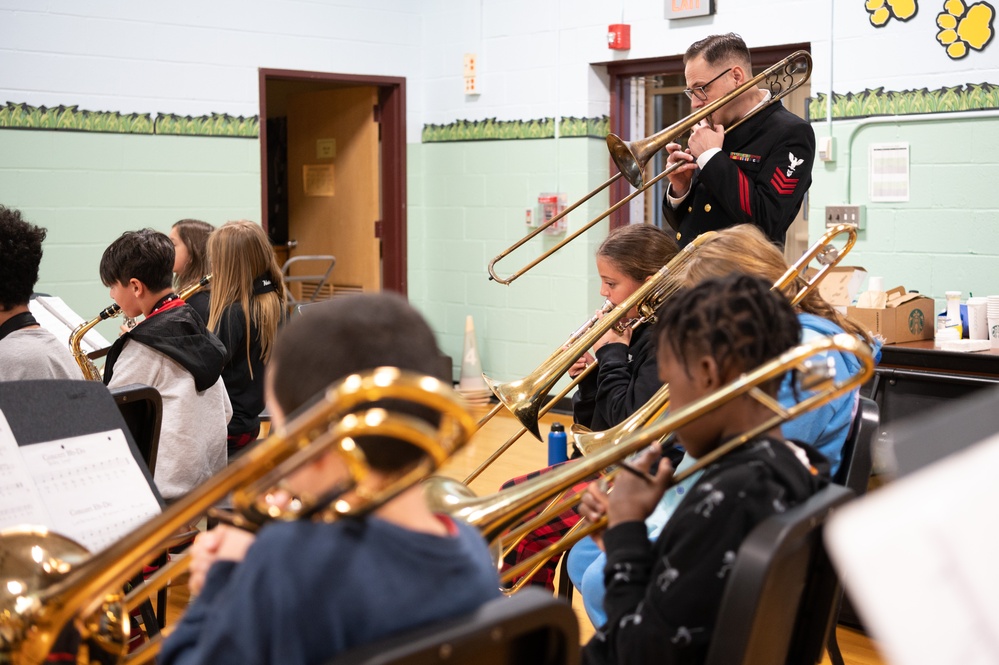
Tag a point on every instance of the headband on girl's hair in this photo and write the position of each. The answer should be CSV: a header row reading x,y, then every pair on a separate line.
x,y
263,284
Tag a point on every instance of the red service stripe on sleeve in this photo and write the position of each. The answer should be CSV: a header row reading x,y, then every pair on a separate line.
x,y
782,183
744,194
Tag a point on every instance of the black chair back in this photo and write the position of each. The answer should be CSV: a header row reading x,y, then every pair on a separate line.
x,y
856,462
142,408
780,600
529,628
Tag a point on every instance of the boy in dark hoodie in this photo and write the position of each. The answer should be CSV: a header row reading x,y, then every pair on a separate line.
x,y
172,351
662,598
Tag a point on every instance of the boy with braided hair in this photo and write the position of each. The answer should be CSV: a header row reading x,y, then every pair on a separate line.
x,y
663,597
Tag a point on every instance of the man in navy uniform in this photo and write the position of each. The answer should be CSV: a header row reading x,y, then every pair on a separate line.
x,y
756,174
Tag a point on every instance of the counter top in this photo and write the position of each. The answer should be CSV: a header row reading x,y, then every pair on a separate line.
x,y
922,356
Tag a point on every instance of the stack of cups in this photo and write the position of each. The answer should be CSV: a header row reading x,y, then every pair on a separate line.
x,y
992,312
978,323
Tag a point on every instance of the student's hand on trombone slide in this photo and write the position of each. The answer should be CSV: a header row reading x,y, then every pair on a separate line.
x,y
636,491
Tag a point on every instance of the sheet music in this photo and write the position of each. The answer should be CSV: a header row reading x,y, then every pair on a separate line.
x,y
88,488
20,503
58,318
918,557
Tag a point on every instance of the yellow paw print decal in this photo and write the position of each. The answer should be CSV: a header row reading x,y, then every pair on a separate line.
x,y
882,10
962,27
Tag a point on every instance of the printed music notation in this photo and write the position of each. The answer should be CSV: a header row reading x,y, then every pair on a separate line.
x,y
88,488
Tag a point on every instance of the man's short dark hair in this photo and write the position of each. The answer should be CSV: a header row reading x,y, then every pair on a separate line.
x,y
20,256
720,48
145,255
336,338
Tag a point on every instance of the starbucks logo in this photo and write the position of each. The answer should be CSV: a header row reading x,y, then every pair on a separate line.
x,y
916,321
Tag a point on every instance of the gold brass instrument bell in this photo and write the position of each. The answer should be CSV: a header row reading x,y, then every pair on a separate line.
x,y
48,583
631,158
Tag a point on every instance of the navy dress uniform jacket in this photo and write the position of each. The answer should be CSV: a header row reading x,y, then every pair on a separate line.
x,y
760,177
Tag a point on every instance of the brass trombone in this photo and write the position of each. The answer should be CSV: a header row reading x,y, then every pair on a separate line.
x,y
631,158
493,515
48,582
87,366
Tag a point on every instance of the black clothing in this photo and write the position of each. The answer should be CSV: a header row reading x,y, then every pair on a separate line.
x,y
760,177
200,302
625,378
662,599
246,392
17,322
180,334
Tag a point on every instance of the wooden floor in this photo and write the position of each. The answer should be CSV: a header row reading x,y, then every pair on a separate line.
x,y
526,455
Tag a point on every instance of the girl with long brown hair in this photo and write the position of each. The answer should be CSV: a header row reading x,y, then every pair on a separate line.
x,y
247,306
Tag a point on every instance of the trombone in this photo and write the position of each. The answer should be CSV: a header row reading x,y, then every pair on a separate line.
x,y
87,366
48,582
631,158
493,515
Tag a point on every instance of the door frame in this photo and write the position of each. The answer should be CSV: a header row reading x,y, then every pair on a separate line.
x,y
391,114
621,73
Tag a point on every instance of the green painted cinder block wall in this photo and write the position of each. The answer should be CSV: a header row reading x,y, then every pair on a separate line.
x,y
946,237
467,202
87,188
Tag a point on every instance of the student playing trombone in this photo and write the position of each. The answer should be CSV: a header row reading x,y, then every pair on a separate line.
x,y
663,596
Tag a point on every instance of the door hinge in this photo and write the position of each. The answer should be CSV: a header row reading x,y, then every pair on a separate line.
x,y
378,228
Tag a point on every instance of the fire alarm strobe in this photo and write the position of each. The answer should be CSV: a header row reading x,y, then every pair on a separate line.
x,y
619,36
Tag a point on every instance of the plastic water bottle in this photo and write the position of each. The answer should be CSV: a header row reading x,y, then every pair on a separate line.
x,y
556,444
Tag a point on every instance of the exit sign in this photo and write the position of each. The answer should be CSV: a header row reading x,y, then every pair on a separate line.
x,y
688,8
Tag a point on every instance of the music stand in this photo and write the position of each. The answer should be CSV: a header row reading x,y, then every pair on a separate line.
x,y
40,411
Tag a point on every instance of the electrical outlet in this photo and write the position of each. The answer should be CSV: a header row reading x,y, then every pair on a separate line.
x,y
845,214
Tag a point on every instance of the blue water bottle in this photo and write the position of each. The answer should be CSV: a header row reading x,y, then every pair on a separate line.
x,y
556,444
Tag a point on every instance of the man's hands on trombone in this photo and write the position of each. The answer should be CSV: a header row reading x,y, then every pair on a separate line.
x,y
704,137
635,495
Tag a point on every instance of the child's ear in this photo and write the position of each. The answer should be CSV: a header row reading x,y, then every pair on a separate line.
x,y
709,375
137,287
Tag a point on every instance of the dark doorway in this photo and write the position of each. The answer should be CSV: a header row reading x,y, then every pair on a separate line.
x,y
333,173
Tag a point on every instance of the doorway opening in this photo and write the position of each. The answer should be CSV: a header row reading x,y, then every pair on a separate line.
x,y
333,175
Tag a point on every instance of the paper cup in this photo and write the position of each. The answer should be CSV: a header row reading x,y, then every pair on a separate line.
x,y
994,331
978,322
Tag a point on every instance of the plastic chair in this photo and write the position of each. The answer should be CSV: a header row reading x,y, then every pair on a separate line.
x,y
529,628
854,472
779,603
316,281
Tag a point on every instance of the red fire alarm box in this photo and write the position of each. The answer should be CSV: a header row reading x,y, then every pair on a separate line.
x,y
619,36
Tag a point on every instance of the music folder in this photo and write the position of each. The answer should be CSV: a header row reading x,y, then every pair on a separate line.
x,y
68,462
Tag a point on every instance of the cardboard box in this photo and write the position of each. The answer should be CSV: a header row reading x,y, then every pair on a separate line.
x,y
840,286
906,318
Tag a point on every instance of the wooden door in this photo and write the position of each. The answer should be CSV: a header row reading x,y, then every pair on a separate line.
x,y
333,183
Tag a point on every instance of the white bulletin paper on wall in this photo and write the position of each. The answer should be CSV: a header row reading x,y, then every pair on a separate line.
x,y
89,488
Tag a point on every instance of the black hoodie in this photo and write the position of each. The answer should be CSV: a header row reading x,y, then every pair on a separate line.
x,y
663,598
181,335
